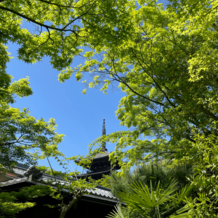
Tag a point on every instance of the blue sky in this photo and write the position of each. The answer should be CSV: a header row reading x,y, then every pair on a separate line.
x,y
79,117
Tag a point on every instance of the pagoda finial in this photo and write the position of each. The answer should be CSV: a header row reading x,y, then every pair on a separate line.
x,y
103,128
104,133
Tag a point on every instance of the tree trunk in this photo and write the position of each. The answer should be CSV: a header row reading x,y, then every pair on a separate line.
x,y
65,208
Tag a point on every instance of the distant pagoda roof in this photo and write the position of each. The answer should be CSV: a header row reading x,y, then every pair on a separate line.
x,y
98,156
100,163
101,155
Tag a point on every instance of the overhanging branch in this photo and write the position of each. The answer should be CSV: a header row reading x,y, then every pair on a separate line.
x,y
41,24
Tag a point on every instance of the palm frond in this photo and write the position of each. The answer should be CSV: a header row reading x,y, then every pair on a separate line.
x,y
118,213
143,200
182,212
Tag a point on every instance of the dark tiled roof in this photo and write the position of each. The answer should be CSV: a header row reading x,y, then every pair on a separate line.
x,y
99,192
13,182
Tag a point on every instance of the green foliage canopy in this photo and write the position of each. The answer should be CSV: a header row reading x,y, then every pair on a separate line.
x,y
21,132
167,68
10,203
57,29
164,59
60,27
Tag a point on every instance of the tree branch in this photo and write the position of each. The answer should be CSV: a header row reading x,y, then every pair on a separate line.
x,y
119,79
78,17
38,23
152,77
62,6
51,3
65,209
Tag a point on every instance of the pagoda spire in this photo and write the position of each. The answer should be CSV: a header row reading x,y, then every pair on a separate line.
x,y
104,133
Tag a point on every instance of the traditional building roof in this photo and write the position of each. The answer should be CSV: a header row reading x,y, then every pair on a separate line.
x,y
100,193
98,199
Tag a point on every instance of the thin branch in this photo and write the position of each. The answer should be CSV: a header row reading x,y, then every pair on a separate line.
x,y
62,6
156,83
51,3
78,17
7,143
122,81
151,76
38,23
53,172
119,79
159,154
